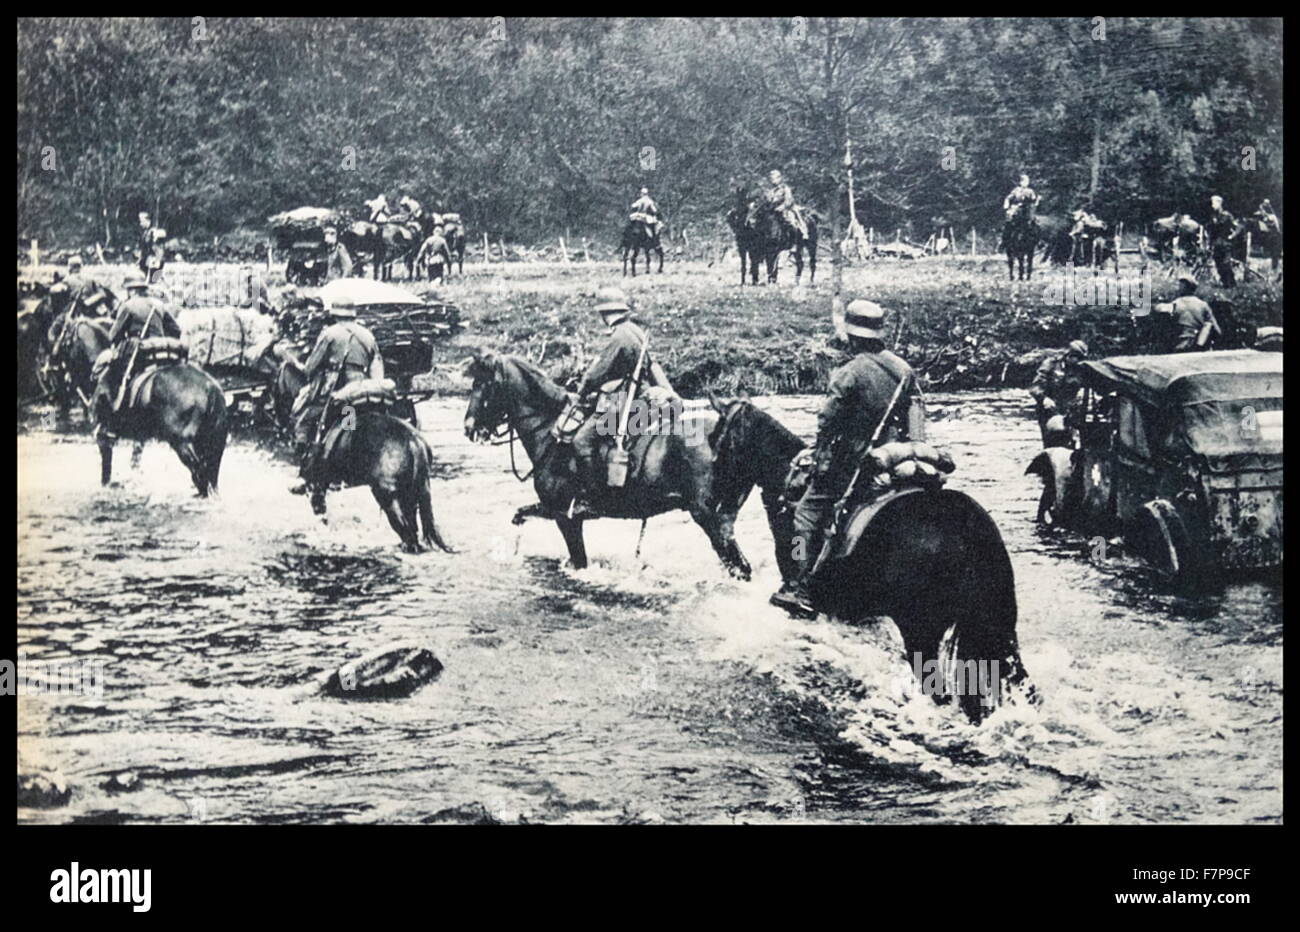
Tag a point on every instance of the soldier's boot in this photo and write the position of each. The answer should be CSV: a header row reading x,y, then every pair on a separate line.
x,y
793,596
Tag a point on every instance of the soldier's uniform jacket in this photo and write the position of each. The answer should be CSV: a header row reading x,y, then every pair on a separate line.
x,y
1220,227
618,359
645,205
151,248
1190,315
339,264
433,247
1022,196
781,197
346,348
86,295
1055,380
142,316
858,394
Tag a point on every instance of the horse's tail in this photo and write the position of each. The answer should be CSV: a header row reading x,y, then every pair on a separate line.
x,y
214,428
428,527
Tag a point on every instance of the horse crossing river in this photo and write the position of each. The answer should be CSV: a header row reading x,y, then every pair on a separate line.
x,y
640,690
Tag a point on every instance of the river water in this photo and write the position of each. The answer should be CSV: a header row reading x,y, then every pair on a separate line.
x,y
644,689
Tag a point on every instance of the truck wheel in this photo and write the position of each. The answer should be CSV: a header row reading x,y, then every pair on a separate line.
x,y
1162,540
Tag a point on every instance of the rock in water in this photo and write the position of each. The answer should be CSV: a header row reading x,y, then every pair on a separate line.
x,y
390,672
43,790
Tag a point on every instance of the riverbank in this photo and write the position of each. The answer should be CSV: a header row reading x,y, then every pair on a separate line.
x,y
959,322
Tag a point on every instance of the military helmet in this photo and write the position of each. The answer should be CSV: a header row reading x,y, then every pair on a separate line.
x,y
864,319
74,262
343,311
645,191
134,280
610,299
1187,279
1077,347
774,174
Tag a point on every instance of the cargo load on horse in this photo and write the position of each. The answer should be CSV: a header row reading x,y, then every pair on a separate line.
x,y
300,234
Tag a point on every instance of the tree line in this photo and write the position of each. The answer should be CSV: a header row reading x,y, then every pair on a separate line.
x,y
533,127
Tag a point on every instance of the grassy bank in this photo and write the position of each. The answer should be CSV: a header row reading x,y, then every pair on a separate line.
x,y
959,322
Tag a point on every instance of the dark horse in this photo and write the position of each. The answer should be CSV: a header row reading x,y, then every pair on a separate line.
x,y
668,472
1020,236
761,233
364,238
66,372
402,239
931,560
35,314
182,406
637,238
371,447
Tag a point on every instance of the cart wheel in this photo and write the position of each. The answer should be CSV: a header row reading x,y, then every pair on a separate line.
x,y
1162,539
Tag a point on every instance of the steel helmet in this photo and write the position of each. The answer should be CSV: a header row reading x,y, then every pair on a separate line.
x,y
134,280
610,300
344,311
1189,280
74,262
1078,347
864,319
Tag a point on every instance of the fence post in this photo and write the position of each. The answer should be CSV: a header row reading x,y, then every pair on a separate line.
x,y
487,250
35,254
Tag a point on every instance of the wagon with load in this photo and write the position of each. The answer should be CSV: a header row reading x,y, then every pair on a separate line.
x,y
405,327
300,236
1181,455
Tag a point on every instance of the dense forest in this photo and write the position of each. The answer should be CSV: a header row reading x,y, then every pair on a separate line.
x,y
535,126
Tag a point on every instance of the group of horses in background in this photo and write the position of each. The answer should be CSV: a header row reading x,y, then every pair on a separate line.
x,y
1080,239
381,244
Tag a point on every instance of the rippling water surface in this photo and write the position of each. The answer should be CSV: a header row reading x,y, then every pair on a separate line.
x,y
642,689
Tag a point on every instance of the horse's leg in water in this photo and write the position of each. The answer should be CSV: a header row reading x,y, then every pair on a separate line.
x,y
798,264
194,463
400,516
211,449
720,529
625,262
660,251
572,530
137,451
105,458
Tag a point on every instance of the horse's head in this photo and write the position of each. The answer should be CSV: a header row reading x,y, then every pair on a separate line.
x,y
488,405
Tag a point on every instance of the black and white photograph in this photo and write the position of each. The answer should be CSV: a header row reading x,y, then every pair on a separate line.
x,y
623,422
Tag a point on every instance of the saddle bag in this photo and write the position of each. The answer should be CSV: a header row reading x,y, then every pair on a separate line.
x,y
162,351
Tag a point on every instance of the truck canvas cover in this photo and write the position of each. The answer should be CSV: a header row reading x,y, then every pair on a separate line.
x,y
1225,406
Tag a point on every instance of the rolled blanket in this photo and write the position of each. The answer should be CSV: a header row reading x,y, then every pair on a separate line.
x,y
886,457
366,390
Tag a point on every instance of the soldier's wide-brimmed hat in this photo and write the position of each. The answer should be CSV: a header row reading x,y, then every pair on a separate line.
x,y
1187,279
610,300
134,280
864,319
1077,347
342,310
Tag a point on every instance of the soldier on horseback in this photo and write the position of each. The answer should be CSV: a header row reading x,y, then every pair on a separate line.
x,y
645,211
780,198
345,352
139,317
86,295
874,394
1021,200
624,364
378,208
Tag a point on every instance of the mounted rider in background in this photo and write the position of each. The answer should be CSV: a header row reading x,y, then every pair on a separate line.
x,y
780,198
646,212
857,408
1022,200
